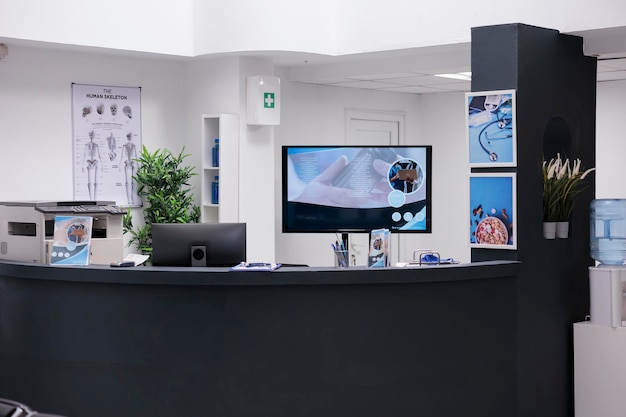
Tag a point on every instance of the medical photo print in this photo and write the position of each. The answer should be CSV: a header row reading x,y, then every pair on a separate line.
x,y
490,118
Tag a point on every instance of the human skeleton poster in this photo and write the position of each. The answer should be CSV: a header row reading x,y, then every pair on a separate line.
x,y
106,142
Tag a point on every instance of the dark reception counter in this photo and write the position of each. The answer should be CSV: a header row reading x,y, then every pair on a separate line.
x,y
146,341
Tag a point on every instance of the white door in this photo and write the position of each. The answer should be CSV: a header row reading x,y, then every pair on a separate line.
x,y
372,128
372,132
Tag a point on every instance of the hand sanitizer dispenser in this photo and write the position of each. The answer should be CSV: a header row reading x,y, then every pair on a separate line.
x,y
263,104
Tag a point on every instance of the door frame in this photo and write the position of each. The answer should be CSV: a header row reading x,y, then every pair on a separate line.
x,y
378,116
375,116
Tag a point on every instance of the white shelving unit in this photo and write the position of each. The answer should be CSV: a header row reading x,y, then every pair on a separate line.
x,y
599,370
226,128
600,346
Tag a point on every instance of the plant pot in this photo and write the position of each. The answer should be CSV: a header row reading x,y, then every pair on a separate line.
x,y
562,230
549,230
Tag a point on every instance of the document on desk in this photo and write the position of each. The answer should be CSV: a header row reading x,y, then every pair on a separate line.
x,y
255,266
137,258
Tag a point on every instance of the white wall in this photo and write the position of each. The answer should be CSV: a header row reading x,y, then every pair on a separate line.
x,y
256,174
211,87
218,85
315,115
371,25
159,26
252,25
198,27
35,113
610,140
36,131
441,124
36,135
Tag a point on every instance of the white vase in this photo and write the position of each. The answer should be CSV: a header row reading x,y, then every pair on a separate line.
x,y
562,230
549,230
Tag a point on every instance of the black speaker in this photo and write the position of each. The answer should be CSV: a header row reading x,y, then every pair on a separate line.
x,y
198,255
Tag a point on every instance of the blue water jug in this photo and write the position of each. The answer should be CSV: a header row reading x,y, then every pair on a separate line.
x,y
215,152
608,230
215,190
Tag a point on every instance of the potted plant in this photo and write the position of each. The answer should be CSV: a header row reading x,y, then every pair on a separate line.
x,y
163,183
562,182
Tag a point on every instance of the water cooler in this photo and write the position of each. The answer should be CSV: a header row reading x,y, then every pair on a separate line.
x,y
600,342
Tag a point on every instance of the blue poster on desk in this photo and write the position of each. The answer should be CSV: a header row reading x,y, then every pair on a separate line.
x,y
379,249
72,240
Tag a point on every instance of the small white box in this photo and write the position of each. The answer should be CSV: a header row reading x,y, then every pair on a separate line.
x,y
606,292
263,101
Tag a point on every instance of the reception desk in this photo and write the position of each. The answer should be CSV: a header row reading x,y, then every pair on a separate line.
x,y
309,342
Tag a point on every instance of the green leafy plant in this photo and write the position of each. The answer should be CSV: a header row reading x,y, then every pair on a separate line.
x,y
562,182
163,183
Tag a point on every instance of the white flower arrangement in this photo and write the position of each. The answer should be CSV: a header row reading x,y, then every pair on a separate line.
x,y
561,184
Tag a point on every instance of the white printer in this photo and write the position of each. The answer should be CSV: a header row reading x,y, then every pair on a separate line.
x,y
27,229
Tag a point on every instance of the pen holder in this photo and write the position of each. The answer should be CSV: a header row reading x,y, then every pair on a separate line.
x,y
342,259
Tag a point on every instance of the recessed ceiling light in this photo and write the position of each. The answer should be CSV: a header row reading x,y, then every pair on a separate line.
x,y
466,76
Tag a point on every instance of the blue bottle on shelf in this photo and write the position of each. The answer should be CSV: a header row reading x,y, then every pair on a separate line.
x,y
608,230
216,153
215,190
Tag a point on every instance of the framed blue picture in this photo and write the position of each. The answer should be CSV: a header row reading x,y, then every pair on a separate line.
x,y
492,210
490,128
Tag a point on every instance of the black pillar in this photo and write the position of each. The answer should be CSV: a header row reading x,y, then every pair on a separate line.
x,y
556,104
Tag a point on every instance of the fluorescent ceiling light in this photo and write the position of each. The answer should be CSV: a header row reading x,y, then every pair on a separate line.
x,y
466,76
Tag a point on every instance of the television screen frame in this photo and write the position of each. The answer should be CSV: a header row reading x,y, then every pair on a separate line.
x,y
172,244
347,189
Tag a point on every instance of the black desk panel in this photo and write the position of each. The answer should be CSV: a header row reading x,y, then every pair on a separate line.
x,y
145,341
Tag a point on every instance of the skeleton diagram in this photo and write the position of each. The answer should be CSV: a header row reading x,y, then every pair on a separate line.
x,y
112,147
91,161
129,153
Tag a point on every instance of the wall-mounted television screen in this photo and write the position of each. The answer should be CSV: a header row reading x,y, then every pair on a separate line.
x,y
356,188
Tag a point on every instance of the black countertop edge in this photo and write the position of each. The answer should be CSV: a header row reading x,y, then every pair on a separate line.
x,y
149,275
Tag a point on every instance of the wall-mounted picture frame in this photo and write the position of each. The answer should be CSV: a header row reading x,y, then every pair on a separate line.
x,y
492,210
491,129
106,131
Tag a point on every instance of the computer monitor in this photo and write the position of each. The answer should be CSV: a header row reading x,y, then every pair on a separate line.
x,y
198,244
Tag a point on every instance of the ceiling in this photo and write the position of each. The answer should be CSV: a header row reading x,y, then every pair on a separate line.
x,y
413,70
425,82
403,71
398,82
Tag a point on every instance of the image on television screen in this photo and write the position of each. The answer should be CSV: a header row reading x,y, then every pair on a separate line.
x,y
356,188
